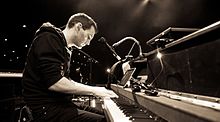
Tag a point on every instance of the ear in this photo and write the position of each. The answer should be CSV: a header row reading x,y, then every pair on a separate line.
x,y
78,25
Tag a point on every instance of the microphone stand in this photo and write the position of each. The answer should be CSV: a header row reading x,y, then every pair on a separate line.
x,y
91,61
90,71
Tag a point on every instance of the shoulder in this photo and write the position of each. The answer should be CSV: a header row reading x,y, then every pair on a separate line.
x,y
50,30
47,33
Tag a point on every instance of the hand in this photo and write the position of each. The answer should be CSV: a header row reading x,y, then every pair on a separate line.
x,y
103,92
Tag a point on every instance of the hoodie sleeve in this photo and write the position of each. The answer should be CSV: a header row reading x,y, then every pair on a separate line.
x,y
49,51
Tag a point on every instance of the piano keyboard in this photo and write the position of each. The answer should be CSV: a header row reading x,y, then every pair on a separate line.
x,y
113,112
122,110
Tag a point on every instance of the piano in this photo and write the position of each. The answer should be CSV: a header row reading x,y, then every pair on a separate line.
x,y
188,85
139,107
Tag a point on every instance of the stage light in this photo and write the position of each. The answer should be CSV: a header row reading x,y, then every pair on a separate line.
x,y
140,8
145,2
24,26
108,70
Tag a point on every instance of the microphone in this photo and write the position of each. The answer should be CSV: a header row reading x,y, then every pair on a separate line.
x,y
103,40
129,38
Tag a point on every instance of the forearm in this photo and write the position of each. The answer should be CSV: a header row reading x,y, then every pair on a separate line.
x,y
71,87
65,85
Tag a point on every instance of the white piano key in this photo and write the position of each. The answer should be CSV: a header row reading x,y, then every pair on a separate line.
x,y
113,111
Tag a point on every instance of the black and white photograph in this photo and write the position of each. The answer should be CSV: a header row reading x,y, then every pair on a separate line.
x,y
110,61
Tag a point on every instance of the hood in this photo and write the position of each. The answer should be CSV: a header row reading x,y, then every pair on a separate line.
x,y
48,27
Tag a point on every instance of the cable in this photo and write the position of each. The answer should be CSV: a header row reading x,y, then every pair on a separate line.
x,y
162,67
148,90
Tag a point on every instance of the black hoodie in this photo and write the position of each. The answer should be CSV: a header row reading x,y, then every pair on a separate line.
x,y
46,63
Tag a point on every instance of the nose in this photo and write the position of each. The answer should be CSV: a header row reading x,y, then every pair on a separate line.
x,y
89,38
88,42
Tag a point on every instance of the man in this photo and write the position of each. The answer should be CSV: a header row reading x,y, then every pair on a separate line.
x,y
46,85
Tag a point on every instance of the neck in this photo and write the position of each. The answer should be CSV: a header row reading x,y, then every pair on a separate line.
x,y
68,39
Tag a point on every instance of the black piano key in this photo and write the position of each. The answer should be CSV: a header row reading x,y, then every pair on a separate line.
x,y
135,112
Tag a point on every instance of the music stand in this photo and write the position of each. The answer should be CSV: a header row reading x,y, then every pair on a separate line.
x,y
169,35
127,77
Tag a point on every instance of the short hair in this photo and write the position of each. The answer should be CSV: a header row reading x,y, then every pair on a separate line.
x,y
87,21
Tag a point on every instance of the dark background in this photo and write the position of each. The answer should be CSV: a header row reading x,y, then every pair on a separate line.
x,y
116,19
